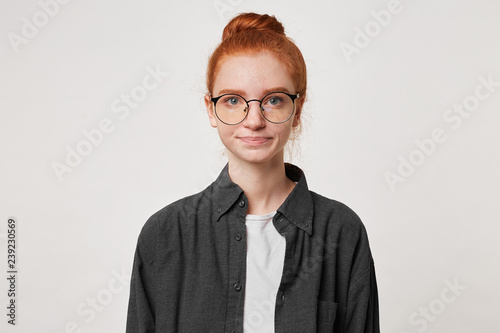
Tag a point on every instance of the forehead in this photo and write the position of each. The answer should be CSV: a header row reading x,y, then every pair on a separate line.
x,y
252,73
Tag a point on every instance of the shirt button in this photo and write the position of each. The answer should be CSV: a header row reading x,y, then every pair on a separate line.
x,y
283,296
219,210
306,224
242,203
237,286
238,237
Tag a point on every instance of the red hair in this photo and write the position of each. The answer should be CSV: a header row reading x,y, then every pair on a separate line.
x,y
250,33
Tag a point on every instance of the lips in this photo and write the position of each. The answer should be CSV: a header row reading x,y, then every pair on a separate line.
x,y
255,140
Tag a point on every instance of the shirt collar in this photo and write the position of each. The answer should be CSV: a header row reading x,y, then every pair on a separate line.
x,y
297,207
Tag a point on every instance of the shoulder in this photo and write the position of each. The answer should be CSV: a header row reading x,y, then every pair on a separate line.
x,y
336,211
169,217
340,223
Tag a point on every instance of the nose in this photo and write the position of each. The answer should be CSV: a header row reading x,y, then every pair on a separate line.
x,y
254,117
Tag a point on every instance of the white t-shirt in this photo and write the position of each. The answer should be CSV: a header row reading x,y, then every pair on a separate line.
x,y
265,260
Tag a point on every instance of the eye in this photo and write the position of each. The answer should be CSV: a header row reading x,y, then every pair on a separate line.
x,y
273,100
232,100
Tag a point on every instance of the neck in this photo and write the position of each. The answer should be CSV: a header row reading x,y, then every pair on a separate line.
x,y
265,184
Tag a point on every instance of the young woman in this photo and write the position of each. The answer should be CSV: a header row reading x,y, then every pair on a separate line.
x,y
256,251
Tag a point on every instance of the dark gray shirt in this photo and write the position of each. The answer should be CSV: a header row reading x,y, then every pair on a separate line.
x,y
190,265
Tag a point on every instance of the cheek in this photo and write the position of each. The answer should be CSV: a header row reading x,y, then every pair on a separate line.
x,y
224,130
284,131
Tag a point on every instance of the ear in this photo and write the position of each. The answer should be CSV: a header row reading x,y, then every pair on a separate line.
x,y
210,110
299,102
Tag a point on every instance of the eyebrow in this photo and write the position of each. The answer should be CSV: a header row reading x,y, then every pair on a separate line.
x,y
242,93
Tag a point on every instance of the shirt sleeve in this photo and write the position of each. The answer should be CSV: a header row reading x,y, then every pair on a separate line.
x,y
362,313
140,316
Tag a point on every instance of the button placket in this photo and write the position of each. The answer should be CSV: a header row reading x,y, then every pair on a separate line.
x,y
237,228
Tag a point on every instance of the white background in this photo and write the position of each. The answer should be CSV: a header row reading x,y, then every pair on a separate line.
x,y
365,111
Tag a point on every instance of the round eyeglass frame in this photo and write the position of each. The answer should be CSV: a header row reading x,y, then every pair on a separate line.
x,y
293,98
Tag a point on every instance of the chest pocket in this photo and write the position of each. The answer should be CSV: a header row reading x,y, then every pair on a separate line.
x,y
326,316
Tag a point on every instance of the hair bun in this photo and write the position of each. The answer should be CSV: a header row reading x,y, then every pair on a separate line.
x,y
252,21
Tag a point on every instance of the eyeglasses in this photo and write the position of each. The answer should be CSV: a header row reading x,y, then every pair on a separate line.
x,y
276,107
